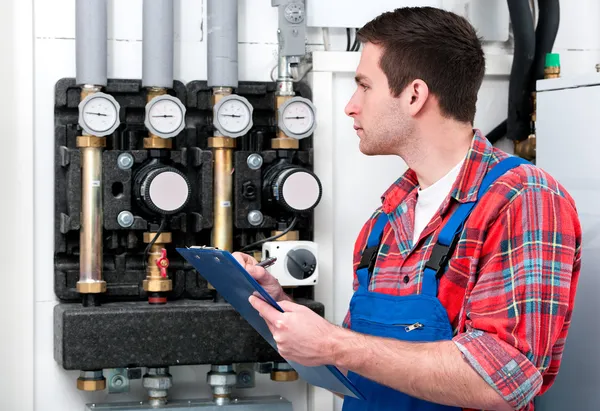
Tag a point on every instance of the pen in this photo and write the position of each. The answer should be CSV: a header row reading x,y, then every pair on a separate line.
x,y
268,262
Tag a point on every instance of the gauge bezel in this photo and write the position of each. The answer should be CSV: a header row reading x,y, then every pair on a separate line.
x,y
217,123
83,104
148,121
281,112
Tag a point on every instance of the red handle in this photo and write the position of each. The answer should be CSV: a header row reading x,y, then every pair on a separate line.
x,y
163,263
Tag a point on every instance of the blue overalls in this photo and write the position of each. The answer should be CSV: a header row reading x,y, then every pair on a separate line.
x,y
419,317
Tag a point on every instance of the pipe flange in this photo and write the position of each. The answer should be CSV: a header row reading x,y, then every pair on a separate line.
x,y
284,143
163,238
89,287
91,141
221,142
157,285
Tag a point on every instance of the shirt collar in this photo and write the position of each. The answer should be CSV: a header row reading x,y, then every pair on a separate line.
x,y
465,187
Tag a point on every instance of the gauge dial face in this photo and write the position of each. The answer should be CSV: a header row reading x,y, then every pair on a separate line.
x,y
99,114
165,116
298,118
294,13
233,116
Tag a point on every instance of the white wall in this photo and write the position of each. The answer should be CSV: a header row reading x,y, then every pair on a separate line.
x,y
51,23
16,205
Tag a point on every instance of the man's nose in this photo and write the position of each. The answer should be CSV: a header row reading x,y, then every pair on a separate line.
x,y
351,108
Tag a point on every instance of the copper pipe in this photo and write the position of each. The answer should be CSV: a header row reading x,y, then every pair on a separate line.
x,y
222,234
90,262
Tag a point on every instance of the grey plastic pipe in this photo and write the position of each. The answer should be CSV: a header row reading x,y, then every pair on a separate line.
x,y
222,43
90,42
157,46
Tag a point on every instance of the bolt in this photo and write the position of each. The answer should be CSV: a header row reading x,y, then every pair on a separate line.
x,y
254,161
255,217
245,377
118,381
125,161
125,219
598,68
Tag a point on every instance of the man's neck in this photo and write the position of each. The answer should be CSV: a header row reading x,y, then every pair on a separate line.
x,y
437,152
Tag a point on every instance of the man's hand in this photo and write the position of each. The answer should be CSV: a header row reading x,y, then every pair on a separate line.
x,y
266,280
301,334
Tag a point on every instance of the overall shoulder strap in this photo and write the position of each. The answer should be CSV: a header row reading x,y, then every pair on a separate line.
x,y
369,254
451,231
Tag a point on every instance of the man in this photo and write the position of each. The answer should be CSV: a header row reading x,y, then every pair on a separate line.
x,y
486,329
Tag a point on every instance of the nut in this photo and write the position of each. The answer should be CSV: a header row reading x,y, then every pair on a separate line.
x,y
125,161
221,379
255,217
254,161
157,382
157,285
125,219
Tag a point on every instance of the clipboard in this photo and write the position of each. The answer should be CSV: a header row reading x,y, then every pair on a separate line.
x,y
236,285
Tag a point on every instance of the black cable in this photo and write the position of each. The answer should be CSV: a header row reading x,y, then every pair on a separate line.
x,y
356,45
348,40
545,35
497,133
520,107
162,226
284,232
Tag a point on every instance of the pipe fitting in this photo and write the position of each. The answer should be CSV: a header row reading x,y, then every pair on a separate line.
x,y
221,379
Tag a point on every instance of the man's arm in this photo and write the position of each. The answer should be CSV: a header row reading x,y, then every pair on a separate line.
x,y
434,372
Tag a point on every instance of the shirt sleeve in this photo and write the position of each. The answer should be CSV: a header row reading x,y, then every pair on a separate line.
x,y
518,311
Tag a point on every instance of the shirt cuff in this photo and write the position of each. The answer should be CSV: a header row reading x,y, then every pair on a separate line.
x,y
502,366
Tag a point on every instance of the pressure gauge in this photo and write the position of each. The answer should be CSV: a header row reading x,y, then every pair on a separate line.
x,y
296,117
165,116
99,114
232,116
294,13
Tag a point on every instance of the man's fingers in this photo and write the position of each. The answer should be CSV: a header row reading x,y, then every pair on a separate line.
x,y
258,273
288,306
269,313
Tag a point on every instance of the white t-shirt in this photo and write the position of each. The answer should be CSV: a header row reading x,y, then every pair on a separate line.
x,y
431,198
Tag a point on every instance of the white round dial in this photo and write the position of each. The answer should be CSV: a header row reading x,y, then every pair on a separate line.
x,y
297,117
294,13
165,116
99,114
233,116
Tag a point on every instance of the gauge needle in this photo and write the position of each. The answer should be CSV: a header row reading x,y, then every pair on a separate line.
x,y
231,115
164,116
98,114
297,117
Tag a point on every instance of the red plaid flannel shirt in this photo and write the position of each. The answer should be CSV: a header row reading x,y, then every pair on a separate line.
x,y
510,287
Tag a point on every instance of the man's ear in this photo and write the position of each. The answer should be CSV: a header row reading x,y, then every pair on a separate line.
x,y
417,94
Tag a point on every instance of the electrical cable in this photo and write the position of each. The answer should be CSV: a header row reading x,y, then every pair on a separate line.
x,y
356,45
162,226
272,238
348,39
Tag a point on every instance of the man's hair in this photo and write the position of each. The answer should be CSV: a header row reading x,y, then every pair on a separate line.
x,y
439,47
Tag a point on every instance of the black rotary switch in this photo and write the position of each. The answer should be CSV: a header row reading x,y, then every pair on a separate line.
x,y
301,263
162,189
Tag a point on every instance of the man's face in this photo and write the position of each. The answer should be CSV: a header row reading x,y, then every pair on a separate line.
x,y
381,122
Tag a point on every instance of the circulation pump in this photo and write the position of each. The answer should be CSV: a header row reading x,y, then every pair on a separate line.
x,y
161,189
291,188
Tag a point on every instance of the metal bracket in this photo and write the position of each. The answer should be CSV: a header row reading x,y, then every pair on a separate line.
x,y
245,375
117,380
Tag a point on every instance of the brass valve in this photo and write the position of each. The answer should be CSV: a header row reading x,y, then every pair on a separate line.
x,y
157,279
